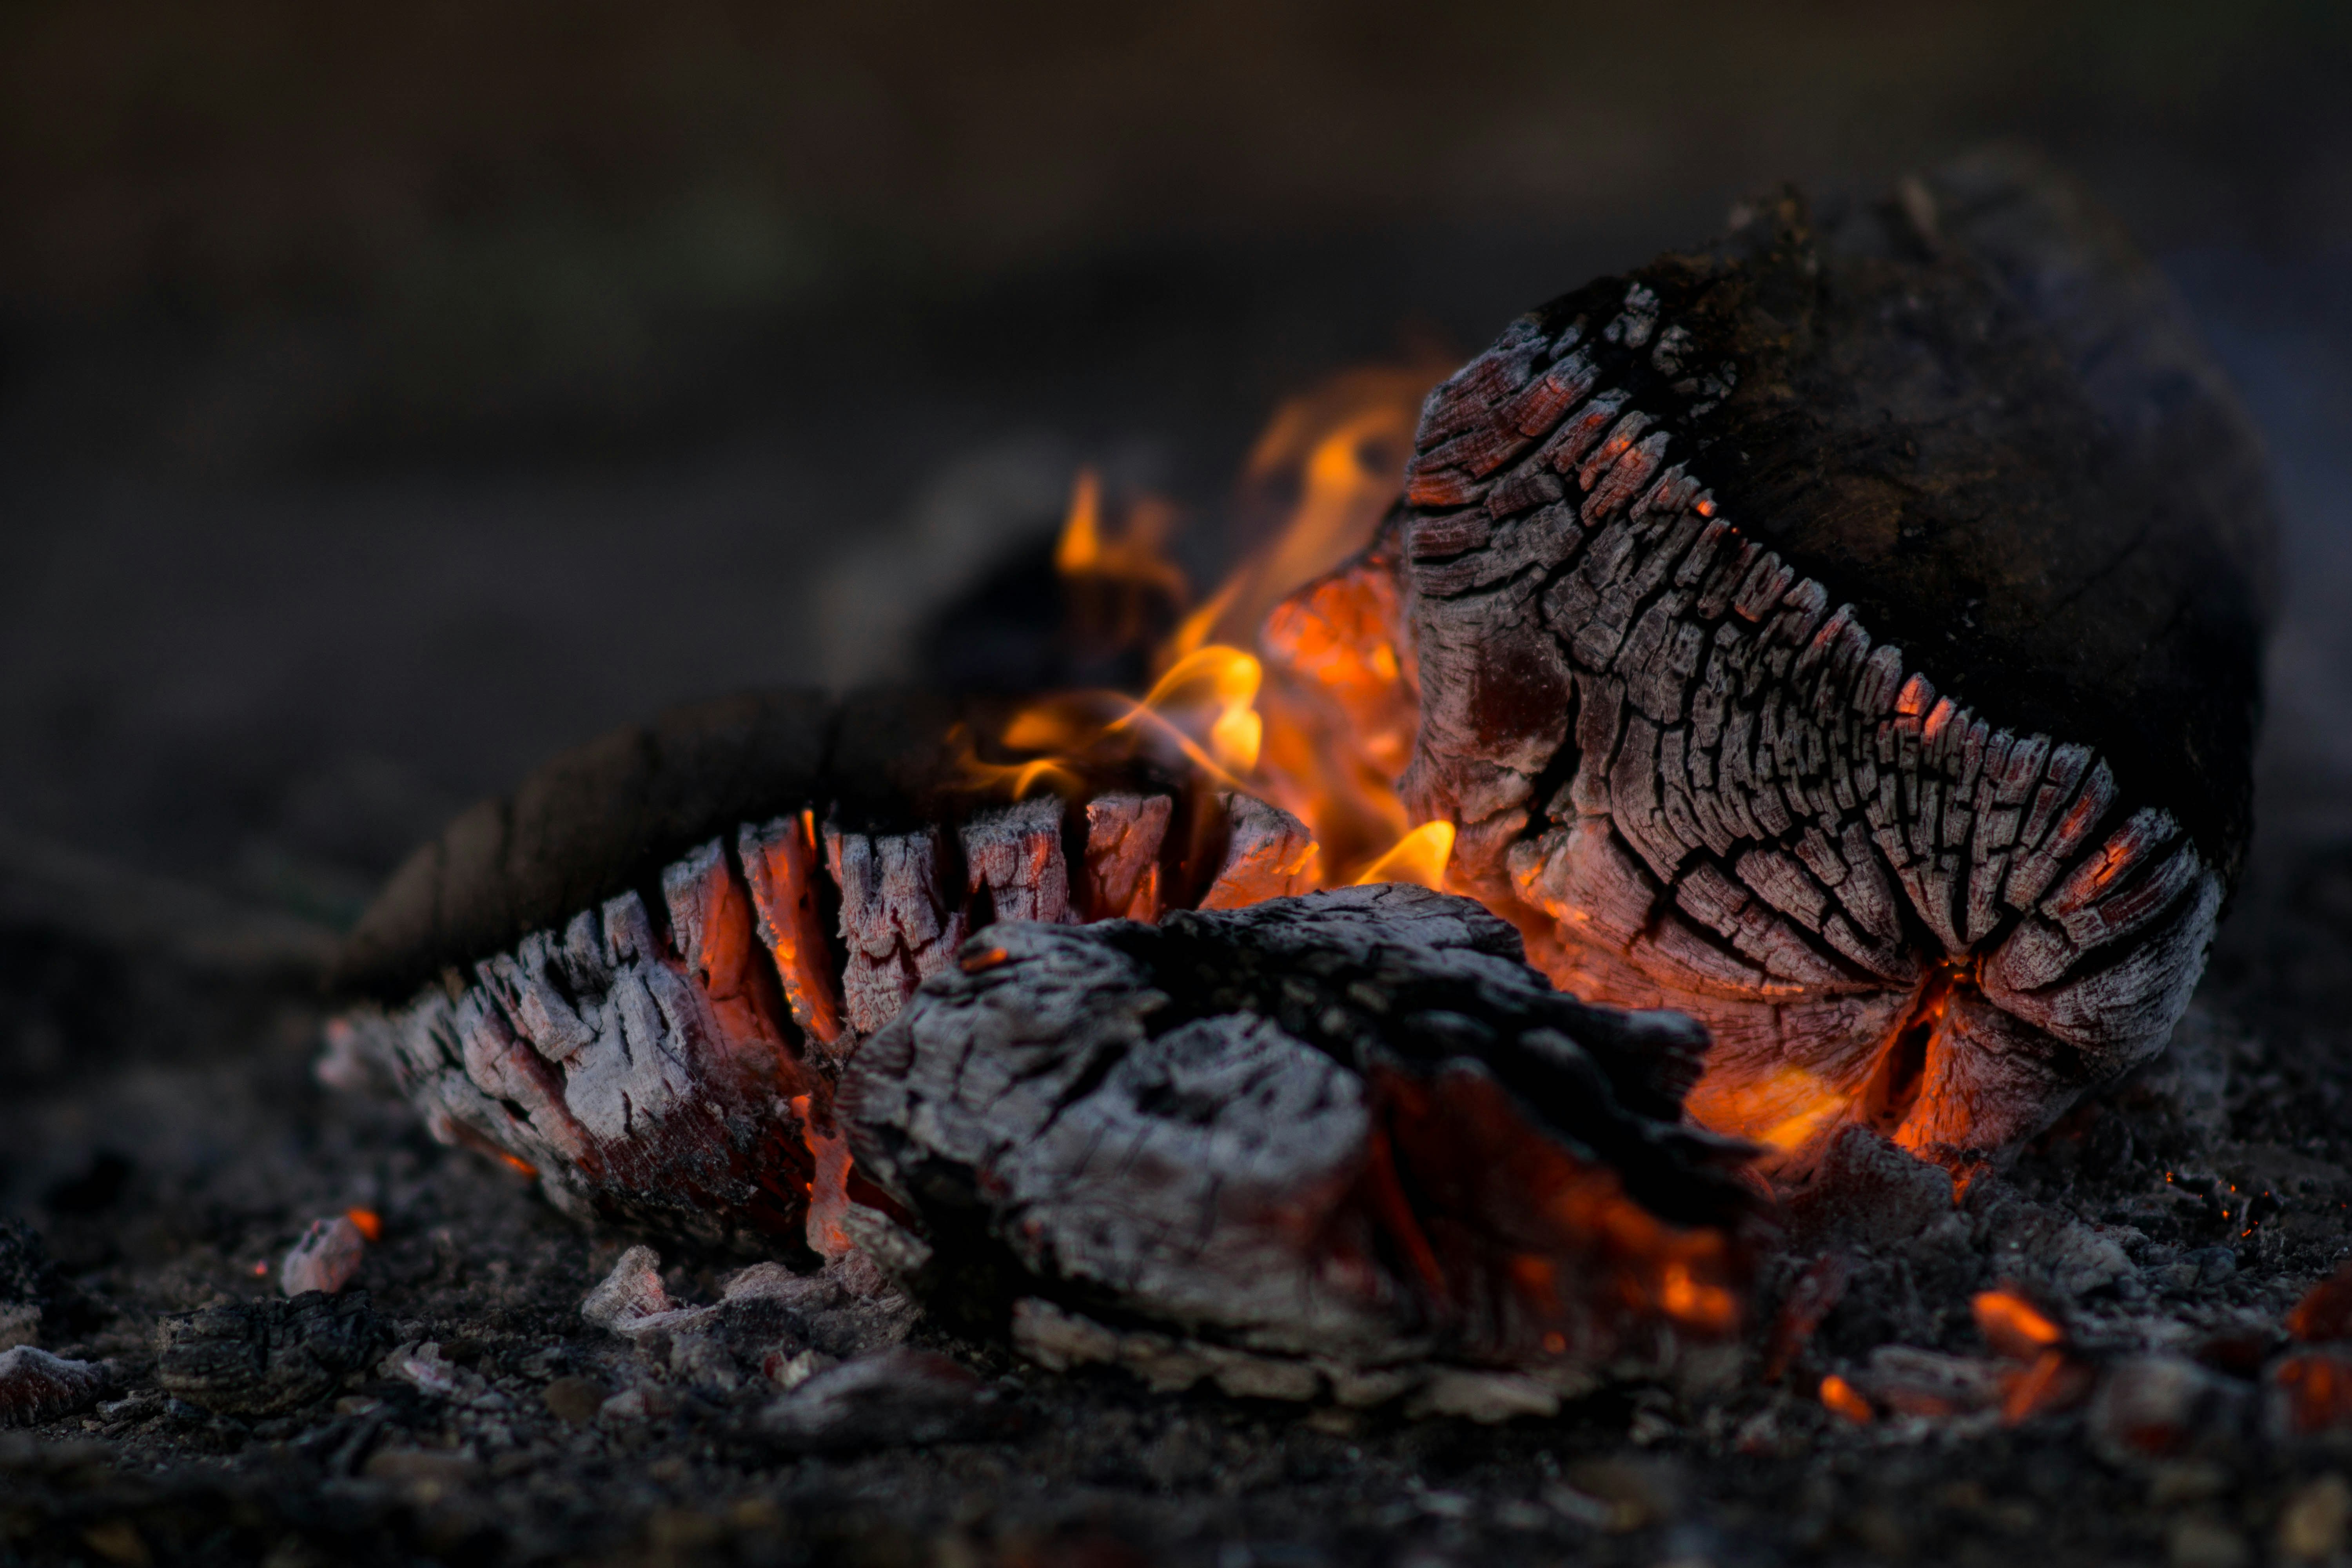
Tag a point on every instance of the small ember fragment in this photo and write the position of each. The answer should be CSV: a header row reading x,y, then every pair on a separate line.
x,y
1840,1398
2014,1326
1345,1140
36,1386
325,1259
2054,1381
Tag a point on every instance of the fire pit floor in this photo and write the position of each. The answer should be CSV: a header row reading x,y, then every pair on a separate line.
x,y
2185,1215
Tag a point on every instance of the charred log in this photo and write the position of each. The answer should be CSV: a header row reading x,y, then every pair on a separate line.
x,y
1347,1142
664,1056
265,1358
1848,634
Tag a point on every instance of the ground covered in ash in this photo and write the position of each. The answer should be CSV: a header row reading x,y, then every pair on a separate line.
x,y
167,1144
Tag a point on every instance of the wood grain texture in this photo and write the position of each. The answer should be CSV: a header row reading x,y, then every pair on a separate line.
x,y
1310,1140
1849,633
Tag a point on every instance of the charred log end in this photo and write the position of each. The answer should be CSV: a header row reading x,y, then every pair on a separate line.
x,y
1629,528
639,1078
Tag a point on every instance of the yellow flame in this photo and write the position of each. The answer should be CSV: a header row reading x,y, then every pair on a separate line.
x,y
1419,858
1315,731
1204,708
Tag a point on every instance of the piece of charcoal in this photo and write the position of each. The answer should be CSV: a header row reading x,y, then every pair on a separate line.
x,y
267,1358
1849,633
892,1399
36,1386
1348,1140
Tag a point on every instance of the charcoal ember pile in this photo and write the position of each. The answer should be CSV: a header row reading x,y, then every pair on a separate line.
x,y
805,1127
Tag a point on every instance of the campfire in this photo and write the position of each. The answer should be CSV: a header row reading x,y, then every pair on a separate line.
x,y
1683,790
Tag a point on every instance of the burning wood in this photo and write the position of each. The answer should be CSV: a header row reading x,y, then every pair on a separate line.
x,y
1844,636
667,1061
1893,720
1344,1141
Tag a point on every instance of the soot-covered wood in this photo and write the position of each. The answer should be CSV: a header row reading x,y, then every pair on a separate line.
x,y
1344,1141
1849,633
661,1052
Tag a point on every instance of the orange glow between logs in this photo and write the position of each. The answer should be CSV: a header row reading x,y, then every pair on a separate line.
x,y
1292,680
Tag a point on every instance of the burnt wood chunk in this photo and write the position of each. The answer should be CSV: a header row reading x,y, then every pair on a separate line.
x,y
897,918
782,868
1269,854
1013,855
1124,836
266,1358
1347,1140
1849,633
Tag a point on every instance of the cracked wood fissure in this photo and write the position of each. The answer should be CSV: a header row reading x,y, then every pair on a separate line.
x,y
1847,631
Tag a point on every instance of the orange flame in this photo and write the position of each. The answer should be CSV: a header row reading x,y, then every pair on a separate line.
x,y
1317,722
367,1222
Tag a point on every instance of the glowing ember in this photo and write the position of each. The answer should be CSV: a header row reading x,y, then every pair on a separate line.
x,y
368,1222
2325,1310
2014,1326
2055,1381
1842,1398
2317,1388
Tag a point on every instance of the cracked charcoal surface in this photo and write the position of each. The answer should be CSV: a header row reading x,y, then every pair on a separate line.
x,y
1336,1127
1849,633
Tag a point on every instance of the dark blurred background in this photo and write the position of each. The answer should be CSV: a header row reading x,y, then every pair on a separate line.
x,y
391,395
